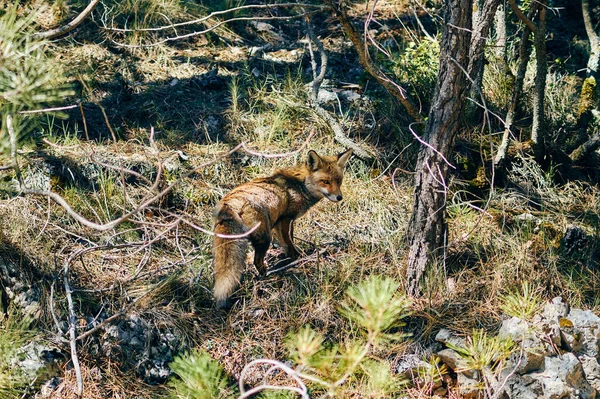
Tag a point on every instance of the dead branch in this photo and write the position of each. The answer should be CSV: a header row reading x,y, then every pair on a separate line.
x,y
218,13
44,110
522,16
338,131
72,323
54,33
210,29
365,60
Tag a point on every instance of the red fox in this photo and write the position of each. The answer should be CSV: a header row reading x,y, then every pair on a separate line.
x,y
271,203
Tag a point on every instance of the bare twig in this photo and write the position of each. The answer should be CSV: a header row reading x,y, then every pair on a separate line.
x,y
112,224
85,128
522,16
338,131
44,110
218,13
300,387
295,263
54,33
365,60
210,29
72,323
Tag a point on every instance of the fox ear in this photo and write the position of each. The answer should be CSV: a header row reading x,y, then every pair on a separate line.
x,y
344,157
313,162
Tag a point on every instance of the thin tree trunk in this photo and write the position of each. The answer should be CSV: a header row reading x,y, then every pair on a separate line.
x,y
588,100
539,120
482,21
427,223
524,55
594,60
516,95
500,28
365,60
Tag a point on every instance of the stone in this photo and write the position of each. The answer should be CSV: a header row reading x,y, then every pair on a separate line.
x,y
520,387
563,377
533,349
581,332
39,361
454,360
469,388
574,240
591,368
446,336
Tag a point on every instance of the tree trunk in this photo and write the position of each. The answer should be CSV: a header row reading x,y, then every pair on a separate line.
x,y
500,28
588,100
524,56
482,21
539,42
594,60
524,48
427,223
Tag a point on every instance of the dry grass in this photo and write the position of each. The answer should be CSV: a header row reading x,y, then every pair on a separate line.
x,y
490,253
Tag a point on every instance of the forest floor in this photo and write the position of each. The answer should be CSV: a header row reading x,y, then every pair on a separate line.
x,y
250,83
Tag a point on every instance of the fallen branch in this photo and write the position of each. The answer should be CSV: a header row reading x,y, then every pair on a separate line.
x,y
54,33
72,323
365,60
339,134
218,13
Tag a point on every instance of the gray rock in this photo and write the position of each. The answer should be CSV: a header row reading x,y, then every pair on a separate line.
x,y
143,347
18,289
531,357
574,240
446,336
39,361
581,332
455,361
563,377
469,388
556,309
591,368
515,329
521,387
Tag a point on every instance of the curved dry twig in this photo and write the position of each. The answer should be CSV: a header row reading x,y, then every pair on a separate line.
x,y
54,33
210,29
216,14
300,389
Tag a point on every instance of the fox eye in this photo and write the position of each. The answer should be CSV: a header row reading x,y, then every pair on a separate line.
x,y
325,181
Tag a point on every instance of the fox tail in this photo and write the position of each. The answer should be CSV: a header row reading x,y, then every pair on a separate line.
x,y
229,254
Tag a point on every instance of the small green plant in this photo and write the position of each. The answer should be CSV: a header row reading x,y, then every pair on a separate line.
x,y
486,356
375,307
417,66
29,79
523,303
14,333
335,370
199,377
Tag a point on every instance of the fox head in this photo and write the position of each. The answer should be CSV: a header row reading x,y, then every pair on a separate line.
x,y
325,174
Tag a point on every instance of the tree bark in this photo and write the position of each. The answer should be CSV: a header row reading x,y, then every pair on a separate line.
x,y
500,28
539,120
482,22
524,55
588,100
427,223
594,60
